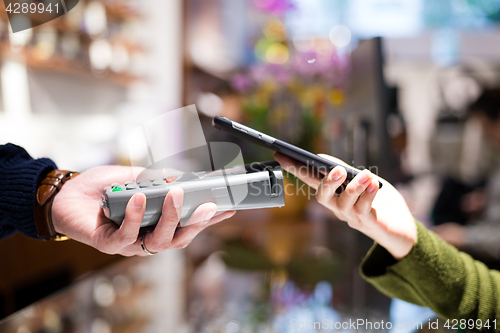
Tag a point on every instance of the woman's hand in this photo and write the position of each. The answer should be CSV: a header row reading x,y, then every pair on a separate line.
x,y
77,214
381,214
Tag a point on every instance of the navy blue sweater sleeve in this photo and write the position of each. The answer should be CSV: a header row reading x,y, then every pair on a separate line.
x,y
19,176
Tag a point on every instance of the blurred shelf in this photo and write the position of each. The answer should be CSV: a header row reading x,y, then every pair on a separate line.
x,y
116,11
62,27
62,65
3,13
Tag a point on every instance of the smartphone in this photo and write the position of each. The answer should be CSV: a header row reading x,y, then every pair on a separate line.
x,y
312,161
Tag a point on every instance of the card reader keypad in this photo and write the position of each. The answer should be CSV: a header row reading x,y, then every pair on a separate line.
x,y
256,188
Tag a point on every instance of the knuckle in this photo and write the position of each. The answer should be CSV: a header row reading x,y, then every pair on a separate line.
x,y
129,239
359,210
321,199
356,188
321,196
360,188
159,246
163,246
129,226
105,247
352,190
349,190
354,223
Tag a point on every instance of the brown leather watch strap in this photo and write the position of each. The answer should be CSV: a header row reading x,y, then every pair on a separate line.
x,y
45,194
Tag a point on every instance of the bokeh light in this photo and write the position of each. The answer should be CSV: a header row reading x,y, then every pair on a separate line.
x,y
275,31
340,36
277,54
101,54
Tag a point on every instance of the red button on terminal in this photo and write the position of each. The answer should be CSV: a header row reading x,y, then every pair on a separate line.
x,y
170,179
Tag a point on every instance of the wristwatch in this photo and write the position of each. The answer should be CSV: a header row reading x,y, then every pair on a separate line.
x,y
45,194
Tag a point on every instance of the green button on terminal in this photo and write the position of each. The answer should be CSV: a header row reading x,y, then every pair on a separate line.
x,y
117,189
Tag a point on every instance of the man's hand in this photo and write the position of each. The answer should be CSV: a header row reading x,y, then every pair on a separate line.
x,y
77,214
380,214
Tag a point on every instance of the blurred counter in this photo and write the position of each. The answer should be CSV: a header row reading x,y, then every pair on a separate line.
x,y
253,273
133,295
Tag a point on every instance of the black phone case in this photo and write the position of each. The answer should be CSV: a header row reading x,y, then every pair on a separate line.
x,y
315,162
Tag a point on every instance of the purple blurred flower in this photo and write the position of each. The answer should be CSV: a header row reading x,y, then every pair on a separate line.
x,y
305,64
259,73
275,7
242,82
309,64
288,295
329,70
284,76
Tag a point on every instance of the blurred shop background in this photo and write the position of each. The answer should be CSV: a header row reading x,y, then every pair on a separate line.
x,y
382,84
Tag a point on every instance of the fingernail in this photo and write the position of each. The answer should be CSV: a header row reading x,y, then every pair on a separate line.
x,y
335,174
364,177
139,200
209,215
372,187
188,222
177,197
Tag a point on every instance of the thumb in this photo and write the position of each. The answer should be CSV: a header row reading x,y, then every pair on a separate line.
x,y
129,230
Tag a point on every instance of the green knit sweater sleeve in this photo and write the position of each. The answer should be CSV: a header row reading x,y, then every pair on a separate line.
x,y
436,275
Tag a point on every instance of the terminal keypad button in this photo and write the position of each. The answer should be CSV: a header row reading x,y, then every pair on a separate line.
x,y
145,183
158,182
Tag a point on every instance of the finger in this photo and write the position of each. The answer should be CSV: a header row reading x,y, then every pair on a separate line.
x,y
161,238
352,192
200,218
298,169
129,230
364,204
202,214
221,217
326,191
218,213
337,161
134,249
184,236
